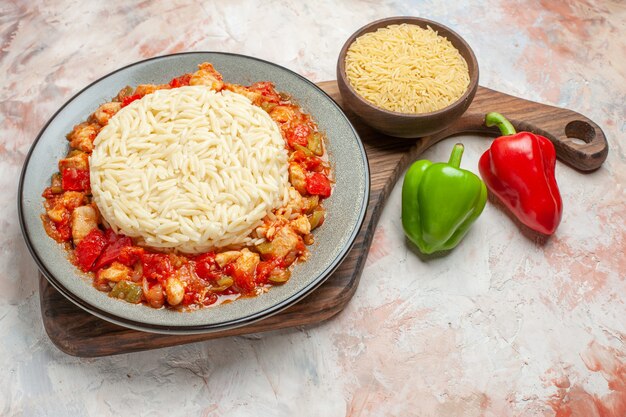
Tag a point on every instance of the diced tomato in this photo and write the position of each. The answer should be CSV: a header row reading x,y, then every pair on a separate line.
x,y
312,163
156,266
189,298
267,91
127,100
181,81
49,193
318,184
244,282
298,156
112,251
263,270
130,255
89,249
73,179
209,298
298,135
206,268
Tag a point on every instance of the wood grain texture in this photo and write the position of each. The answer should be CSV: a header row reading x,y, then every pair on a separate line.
x,y
81,334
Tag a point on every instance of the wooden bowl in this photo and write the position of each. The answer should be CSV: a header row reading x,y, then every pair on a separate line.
x,y
407,125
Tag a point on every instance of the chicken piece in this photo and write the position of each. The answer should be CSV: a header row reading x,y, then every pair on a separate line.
x,y
174,291
57,213
301,225
297,177
59,207
84,220
283,113
227,257
254,96
310,203
77,160
154,294
207,75
285,241
83,135
72,199
105,112
247,262
115,273
296,202
268,92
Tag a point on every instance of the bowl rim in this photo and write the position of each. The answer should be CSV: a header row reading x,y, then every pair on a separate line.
x,y
138,324
341,65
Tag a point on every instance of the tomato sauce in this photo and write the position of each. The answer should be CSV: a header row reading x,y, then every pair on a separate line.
x,y
125,269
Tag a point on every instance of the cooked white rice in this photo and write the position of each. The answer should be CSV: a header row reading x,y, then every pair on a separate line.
x,y
189,169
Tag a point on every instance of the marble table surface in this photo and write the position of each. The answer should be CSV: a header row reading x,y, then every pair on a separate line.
x,y
502,326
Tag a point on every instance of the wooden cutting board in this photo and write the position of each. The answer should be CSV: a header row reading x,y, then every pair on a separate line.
x,y
579,142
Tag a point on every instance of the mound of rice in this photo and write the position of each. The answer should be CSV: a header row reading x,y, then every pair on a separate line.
x,y
189,169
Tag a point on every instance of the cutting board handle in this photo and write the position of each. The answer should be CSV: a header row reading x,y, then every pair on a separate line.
x,y
578,140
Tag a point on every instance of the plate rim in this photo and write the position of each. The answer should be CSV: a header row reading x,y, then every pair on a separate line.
x,y
207,328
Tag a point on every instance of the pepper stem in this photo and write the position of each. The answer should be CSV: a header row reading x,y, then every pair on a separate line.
x,y
496,119
456,155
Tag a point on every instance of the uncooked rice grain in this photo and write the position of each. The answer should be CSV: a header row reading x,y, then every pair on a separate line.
x,y
406,69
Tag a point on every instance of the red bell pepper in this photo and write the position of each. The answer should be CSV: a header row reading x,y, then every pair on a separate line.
x,y
181,81
111,252
298,135
89,249
519,169
318,184
73,179
206,267
127,100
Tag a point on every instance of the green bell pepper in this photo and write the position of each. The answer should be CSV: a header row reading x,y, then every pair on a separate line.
x,y
440,201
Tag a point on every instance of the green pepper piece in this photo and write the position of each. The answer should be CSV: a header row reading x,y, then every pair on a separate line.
x,y
315,143
127,291
223,283
264,248
305,151
440,201
317,218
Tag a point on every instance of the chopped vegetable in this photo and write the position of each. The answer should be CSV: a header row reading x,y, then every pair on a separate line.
x,y
279,276
115,244
318,184
317,218
75,179
89,248
304,150
156,266
298,135
315,144
127,291
223,283
127,100
181,81
206,266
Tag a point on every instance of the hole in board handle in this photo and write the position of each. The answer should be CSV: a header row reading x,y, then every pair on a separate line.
x,y
579,132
